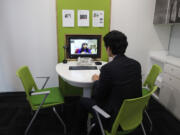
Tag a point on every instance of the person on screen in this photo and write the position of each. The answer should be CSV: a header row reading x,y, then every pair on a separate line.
x,y
118,80
84,49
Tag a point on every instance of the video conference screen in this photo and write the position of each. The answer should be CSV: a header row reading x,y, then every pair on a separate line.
x,y
83,46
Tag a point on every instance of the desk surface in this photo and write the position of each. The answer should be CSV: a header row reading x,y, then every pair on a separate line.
x,y
78,78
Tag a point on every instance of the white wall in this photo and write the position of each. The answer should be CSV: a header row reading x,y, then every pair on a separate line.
x,y
174,48
27,37
135,19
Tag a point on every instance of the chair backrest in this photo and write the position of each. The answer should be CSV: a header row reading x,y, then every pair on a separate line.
x,y
27,80
151,78
131,113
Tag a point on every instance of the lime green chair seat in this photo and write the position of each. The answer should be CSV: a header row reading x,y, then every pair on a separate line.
x,y
149,83
39,98
130,115
54,98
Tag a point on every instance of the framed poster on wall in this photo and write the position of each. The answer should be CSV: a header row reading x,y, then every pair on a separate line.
x,y
83,18
98,18
68,18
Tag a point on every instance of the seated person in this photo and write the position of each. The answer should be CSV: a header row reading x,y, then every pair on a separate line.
x,y
84,49
119,79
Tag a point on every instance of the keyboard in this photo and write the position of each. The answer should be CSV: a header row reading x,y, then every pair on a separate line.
x,y
82,68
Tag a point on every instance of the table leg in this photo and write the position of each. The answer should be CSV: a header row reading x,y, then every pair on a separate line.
x,y
87,92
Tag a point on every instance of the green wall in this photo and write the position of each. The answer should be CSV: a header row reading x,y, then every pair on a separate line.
x,y
62,31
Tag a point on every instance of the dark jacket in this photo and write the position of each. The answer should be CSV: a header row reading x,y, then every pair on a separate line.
x,y
119,79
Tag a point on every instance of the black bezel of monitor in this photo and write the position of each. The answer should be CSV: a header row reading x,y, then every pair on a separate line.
x,y
68,50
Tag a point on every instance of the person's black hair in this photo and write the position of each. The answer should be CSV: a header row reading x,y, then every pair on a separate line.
x,y
116,41
82,48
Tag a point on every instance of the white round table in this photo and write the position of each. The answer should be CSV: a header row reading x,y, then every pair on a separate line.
x,y
78,78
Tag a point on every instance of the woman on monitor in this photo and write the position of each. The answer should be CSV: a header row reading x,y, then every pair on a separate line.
x,y
84,49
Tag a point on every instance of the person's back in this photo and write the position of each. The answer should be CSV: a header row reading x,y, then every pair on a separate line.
x,y
124,83
126,80
119,79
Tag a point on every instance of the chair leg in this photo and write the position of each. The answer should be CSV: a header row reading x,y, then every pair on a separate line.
x,y
149,119
60,119
100,123
36,113
90,128
34,117
144,132
88,123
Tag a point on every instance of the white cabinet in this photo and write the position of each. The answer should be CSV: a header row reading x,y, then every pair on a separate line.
x,y
169,94
170,89
171,80
172,70
177,104
170,98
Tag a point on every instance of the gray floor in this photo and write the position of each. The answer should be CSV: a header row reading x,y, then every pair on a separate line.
x,y
15,114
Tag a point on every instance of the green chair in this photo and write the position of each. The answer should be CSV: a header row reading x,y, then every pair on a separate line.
x,y
130,115
39,98
149,83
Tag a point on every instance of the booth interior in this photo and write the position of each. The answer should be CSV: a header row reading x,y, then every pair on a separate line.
x,y
50,50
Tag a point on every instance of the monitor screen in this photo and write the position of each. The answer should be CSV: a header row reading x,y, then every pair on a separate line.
x,y
83,46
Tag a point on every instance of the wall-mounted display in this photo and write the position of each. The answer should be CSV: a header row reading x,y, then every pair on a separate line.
x,y
83,46
68,18
83,18
167,11
98,18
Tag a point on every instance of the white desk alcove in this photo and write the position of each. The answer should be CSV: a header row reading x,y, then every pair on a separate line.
x,y
78,78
